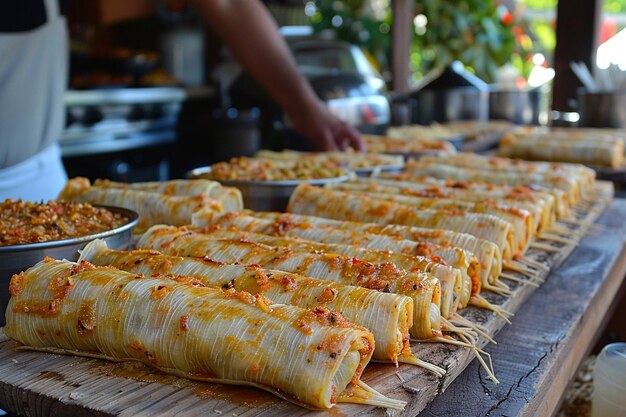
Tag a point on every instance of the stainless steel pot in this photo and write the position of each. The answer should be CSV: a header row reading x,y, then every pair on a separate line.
x,y
450,104
265,195
272,195
603,109
517,106
234,133
17,258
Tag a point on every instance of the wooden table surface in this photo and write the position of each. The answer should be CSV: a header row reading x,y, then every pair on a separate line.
x,y
538,354
534,359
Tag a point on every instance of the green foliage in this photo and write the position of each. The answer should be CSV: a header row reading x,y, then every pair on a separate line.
x,y
615,6
475,32
352,25
545,35
542,4
479,33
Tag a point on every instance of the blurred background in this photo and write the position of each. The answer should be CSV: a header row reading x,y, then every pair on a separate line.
x,y
153,92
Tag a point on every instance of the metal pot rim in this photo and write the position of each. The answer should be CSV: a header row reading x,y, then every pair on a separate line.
x,y
195,173
130,214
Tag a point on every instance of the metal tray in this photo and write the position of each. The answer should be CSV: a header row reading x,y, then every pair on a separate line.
x,y
17,258
419,154
266,195
373,170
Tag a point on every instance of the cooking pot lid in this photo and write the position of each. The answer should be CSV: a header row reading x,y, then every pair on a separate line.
x,y
454,75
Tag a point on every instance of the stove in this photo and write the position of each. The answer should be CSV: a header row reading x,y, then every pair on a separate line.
x,y
112,120
120,133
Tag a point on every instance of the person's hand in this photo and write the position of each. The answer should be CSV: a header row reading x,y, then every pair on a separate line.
x,y
253,37
325,130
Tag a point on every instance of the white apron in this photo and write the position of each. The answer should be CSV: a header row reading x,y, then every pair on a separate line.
x,y
33,79
40,177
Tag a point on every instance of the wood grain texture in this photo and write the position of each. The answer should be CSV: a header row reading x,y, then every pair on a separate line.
x,y
540,352
529,352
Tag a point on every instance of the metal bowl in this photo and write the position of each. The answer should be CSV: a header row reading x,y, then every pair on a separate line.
x,y
602,109
17,258
522,107
418,154
450,104
373,170
266,195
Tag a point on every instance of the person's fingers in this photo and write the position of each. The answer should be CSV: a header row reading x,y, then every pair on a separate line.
x,y
330,142
331,146
356,141
329,133
342,142
347,136
322,137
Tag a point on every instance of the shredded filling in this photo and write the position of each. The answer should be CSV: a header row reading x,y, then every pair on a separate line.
x,y
23,222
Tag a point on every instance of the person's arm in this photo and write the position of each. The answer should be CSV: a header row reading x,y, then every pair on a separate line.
x,y
251,33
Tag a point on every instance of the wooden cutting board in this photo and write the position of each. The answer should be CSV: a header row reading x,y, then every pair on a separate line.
x,y
41,384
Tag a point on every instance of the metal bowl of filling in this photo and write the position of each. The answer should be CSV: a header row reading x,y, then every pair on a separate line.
x,y
19,257
265,195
